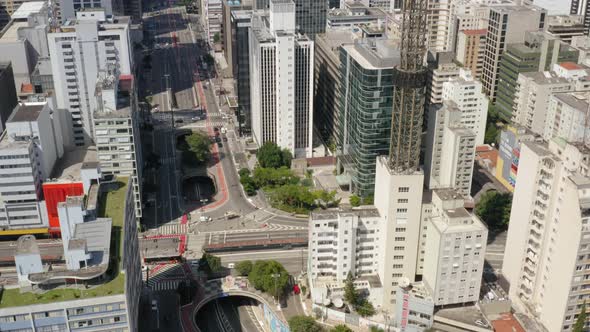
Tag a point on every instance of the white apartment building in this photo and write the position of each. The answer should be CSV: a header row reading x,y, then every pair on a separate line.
x,y
24,40
90,37
466,92
116,129
281,80
548,244
450,149
567,117
455,250
342,242
533,92
29,148
439,24
399,199
507,25
441,69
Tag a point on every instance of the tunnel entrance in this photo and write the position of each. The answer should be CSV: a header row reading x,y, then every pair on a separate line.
x,y
230,313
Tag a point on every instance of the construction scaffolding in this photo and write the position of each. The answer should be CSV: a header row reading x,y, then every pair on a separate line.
x,y
409,89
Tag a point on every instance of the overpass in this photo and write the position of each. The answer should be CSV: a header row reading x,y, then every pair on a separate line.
x,y
224,287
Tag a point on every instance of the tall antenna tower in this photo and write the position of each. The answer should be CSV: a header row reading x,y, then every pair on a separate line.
x,y
409,90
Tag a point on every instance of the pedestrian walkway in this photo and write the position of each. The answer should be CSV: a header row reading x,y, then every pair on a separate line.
x,y
264,228
169,229
165,284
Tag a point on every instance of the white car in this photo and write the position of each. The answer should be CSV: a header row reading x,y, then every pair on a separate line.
x,y
231,265
154,305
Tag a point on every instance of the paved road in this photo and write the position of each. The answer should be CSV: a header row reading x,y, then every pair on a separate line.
x,y
293,260
495,251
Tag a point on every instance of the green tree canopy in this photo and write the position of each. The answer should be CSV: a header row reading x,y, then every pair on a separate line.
x,y
304,324
350,293
580,324
244,267
376,329
209,263
216,38
272,177
261,277
494,209
341,328
365,308
199,144
270,155
355,200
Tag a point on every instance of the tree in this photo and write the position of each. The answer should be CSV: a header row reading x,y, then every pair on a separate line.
x,y
365,308
270,155
341,328
209,60
304,324
350,293
355,200
244,172
210,263
494,209
376,329
491,134
369,200
580,324
216,38
261,277
244,268
199,144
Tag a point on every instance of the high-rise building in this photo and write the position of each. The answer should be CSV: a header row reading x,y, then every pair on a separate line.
x,y
507,25
75,78
327,83
23,42
230,30
281,80
565,27
455,250
567,117
548,235
539,52
240,32
534,91
310,15
355,14
439,24
450,149
212,19
441,69
116,131
31,145
365,106
68,8
466,92
399,179
470,50
582,7
133,9
7,93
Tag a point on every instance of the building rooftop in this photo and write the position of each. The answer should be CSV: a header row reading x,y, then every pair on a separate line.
x,y
334,213
374,54
446,194
11,31
112,206
578,101
26,112
571,65
69,167
27,8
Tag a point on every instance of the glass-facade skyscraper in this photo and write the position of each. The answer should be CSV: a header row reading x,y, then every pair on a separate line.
x,y
366,104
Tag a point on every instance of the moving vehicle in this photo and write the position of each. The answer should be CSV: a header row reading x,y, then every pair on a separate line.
x,y
154,305
231,265
205,218
231,215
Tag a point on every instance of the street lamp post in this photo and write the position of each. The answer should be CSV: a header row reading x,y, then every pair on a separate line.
x,y
276,276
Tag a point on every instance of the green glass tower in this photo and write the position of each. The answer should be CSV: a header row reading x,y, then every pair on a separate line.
x,y
364,115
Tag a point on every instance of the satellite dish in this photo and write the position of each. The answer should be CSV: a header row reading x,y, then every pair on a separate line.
x,y
327,302
338,303
404,282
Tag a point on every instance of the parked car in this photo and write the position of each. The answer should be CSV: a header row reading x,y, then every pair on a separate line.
x,y
154,305
296,289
